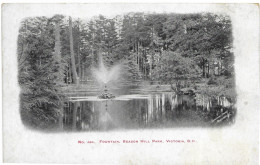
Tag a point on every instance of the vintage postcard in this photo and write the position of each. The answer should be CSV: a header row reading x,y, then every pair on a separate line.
x,y
125,83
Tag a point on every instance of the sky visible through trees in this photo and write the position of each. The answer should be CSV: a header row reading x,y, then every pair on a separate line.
x,y
181,50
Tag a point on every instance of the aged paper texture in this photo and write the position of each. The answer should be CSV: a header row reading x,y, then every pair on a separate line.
x,y
130,83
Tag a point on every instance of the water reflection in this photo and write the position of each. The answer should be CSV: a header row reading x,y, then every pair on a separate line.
x,y
159,110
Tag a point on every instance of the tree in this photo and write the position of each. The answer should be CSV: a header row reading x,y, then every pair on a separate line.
x,y
130,69
41,94
75,75
174,67
57,19
163,47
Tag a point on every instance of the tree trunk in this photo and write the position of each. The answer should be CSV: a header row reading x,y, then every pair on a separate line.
x,y
92,46
61,120
57,50
79,63
219,68
152,54
209,63
138,61
67,76
144,66
70,73
150,70
78,53
208,69
134,47
203,68
83,72
138,45
75,75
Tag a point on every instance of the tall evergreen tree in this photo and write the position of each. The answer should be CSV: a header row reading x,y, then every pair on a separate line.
x,y
40,94
73,63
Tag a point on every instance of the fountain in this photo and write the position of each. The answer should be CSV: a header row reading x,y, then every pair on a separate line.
x,y
104,76
106,95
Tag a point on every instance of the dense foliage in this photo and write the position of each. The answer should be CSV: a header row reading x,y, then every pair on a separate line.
x,y
164,48
39,72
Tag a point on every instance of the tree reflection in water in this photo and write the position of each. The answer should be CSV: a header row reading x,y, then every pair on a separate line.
x,y
162,110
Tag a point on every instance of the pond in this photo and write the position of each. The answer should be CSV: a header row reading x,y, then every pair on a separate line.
x,y
86,112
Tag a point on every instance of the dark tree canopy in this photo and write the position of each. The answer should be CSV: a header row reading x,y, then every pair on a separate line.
x,y
166,48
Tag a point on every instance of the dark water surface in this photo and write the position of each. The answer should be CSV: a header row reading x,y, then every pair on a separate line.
x,y
144,111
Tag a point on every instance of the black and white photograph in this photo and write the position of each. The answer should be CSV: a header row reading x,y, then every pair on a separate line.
x,y
89,77
132,71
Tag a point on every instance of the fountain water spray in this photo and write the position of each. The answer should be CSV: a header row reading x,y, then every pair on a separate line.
x,y
104,76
